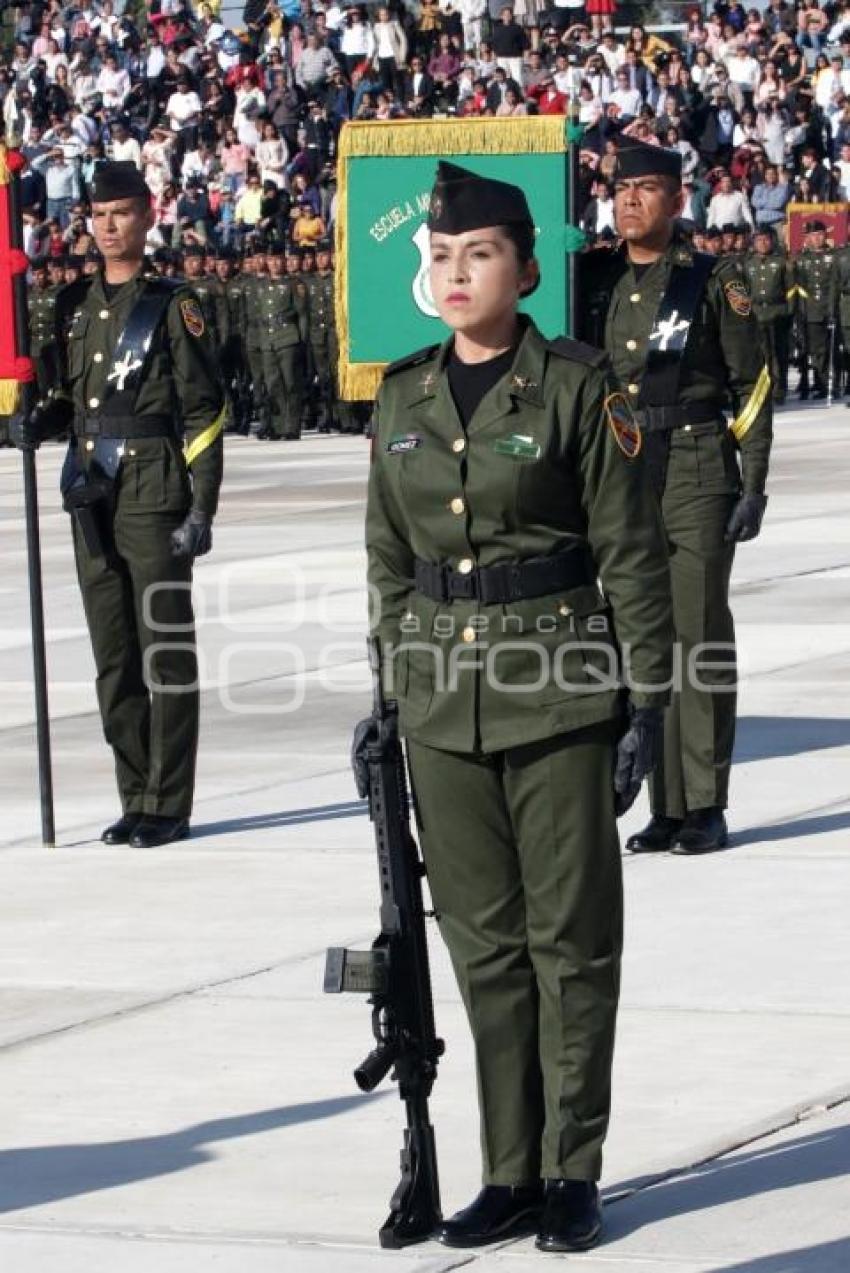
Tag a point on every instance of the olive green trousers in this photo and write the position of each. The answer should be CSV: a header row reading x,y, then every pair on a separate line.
x,y
524,869
138,608
699,725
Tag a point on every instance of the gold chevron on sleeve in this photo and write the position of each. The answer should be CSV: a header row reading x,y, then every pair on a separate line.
x,y
755,402
205,439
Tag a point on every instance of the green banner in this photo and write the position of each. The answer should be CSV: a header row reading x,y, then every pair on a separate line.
x,y
390,310
384,306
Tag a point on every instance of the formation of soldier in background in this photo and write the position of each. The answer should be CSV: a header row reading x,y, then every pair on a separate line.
x,y
270,314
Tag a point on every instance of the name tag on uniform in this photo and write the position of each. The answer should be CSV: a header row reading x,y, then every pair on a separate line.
x,y
518,445
404,443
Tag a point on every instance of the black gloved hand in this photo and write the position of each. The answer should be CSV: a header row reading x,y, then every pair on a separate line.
x,y
48,419
194,537
364,734
636,753
745,522
25,431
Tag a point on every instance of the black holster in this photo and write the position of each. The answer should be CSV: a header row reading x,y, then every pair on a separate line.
x,y
90,499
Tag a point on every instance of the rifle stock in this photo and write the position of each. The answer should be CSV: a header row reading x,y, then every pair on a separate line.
x,y
395,974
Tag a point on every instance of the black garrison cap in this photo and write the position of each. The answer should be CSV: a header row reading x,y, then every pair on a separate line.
x,y
811,226
461,201
637,159
118,179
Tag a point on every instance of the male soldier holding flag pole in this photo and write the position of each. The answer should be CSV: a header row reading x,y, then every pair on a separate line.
x,y
138,385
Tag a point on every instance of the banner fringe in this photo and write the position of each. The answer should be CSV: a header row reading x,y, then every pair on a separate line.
x,y
515,135
10,392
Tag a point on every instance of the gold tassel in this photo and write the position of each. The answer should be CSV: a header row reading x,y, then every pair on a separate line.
x,y
515,135
10,392
5,175
536,134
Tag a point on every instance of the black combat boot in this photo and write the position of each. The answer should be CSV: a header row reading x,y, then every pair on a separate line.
x,y
499,1211
572,1217
656,836
703,831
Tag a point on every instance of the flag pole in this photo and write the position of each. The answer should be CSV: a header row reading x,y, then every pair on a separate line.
x,y
17,394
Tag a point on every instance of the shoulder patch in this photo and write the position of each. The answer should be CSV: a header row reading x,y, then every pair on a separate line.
x,y
577,351
622,423
412,360
738,298
193,319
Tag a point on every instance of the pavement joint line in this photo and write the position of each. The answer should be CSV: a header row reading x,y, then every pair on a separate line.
x,y
173,996
772,1125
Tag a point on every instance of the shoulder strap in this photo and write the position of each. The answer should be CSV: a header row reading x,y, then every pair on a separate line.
x,y
412,360
132,352
671,329
577,351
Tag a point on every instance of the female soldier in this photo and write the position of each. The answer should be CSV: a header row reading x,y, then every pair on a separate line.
x,y
505,481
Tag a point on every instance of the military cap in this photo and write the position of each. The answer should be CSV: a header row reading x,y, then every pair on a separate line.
x,y
38,263
324,245
729,228
118,179
713,233
75,261
56,262
193,249
637,159
276,249
461,201
812,226
225,253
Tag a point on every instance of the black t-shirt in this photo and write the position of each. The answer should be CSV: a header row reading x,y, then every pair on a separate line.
x,y
470,381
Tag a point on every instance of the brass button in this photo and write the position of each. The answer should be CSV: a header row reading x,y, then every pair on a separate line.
x,y
634,389
94,403
564,609
631,344
408,615
465,565
104,313
687,428
457,505
98,358
634,298
468,635
89,445
131,451
458,445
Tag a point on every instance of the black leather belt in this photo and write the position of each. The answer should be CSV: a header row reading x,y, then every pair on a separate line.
x,y
508,581
662,419
124,426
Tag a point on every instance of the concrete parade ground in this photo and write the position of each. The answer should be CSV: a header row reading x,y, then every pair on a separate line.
x,y
175,1090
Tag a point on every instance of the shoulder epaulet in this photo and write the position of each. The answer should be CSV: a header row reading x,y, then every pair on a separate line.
x,y
577,351
412,360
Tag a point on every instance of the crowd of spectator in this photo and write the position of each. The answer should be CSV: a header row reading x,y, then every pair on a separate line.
x,y
235,126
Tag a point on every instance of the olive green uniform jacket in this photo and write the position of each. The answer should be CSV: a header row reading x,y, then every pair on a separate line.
x,y
538,471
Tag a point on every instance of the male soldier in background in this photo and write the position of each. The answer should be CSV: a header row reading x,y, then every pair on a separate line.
x,y
770,282
254,274
713,241
139,385
844,319
816,283
682,338
323,343
279,318
205,289
41,302
229,294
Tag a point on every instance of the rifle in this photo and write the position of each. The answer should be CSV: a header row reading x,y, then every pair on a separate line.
x,y
396,975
